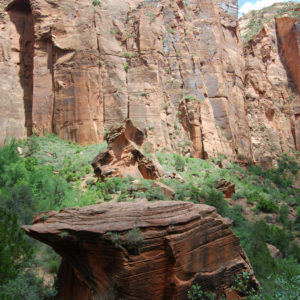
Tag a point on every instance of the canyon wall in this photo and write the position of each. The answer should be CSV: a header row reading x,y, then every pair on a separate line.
x,y
175,68
271,85
76,68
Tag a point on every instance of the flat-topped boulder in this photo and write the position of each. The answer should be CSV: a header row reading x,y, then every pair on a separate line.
x,y
141,250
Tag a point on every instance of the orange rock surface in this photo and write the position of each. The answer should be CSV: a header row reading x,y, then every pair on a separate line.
x,y
175,68
272,100
75,69
141,250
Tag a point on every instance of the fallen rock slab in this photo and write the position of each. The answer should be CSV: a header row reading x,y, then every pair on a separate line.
x,y
226,187
125,155
141,250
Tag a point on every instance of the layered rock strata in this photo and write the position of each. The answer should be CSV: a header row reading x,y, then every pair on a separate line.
x,y
141,250
77,68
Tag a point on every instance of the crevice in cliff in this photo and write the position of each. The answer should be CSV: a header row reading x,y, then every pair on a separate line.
x,y
51,68
21,16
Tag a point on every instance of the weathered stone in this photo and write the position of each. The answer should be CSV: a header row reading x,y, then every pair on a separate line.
x,y
226,187
289,34
274,252
141,250
125,156
79,68
166,190
270,96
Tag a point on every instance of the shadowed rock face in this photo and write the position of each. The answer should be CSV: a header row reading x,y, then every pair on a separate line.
x,y
94,66
289,35
271,93
141,250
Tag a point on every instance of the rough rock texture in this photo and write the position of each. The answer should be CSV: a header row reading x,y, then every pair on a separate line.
x,y
74,68
289,35
125,156
274,252
173,67
226,187
141,250
271,97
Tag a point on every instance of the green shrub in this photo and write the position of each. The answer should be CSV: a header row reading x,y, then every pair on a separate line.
x,y
179,163
243,286
15,249
27,286
196,292
267,206
53,266
283,215
215,198
96,3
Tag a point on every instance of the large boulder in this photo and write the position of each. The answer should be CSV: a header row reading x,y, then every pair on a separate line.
x,y
141,250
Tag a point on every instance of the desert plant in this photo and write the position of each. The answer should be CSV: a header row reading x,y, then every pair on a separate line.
x,y
96,3
126,66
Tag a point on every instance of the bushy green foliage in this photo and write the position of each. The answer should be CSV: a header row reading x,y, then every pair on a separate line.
x,y
243,286
132,239
179,162
15,249
27,286
267,189
96,3
267,205
66,158
48,178
215,198
30,184
196,292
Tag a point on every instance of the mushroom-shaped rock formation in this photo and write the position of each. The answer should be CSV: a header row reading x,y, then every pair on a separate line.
x,y
125,155
141,250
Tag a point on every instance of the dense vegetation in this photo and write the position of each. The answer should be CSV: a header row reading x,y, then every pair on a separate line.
x,y
51,174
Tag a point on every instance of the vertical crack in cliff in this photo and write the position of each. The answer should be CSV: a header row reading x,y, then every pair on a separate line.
x,y
20,14
51,67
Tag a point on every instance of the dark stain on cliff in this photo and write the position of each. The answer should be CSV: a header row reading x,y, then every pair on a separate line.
x,y
21,16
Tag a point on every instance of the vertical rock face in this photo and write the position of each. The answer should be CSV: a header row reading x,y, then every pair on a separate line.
x,y
142,250
272,62
81,68
289,35
53,48
16,47
173,67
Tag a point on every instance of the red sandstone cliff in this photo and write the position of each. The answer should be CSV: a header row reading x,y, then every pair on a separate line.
x,y
142,250
271,83
174,68
73,68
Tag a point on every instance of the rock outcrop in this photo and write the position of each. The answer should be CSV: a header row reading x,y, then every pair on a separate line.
x,y
126,155
141,250
77,68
